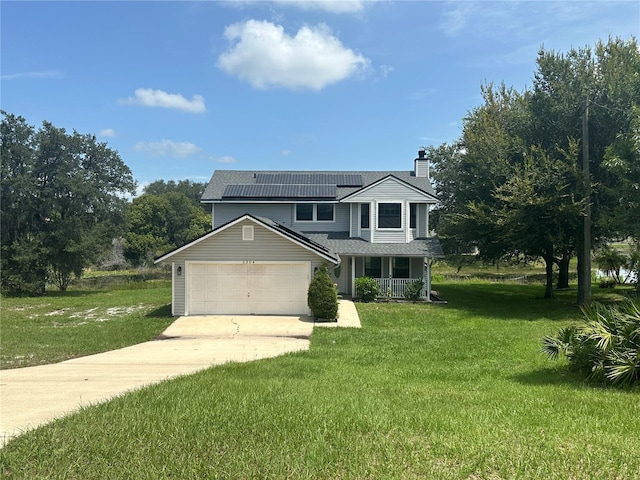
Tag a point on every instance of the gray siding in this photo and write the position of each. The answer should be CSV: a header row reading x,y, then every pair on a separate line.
x,y
178,294
283,213
422,225
421,167
390,189
355,219
229,246
278,212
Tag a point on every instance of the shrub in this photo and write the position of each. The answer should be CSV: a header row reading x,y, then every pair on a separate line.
x,y
322,296
605,348
413,290
607,283
367,289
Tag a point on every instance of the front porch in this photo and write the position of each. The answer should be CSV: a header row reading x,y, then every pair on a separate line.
x,y
396,287
392,274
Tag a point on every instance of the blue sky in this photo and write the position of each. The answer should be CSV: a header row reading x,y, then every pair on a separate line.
x,y
181,89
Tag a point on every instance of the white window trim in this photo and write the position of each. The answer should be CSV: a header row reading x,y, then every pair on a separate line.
x,y
314,217
402,215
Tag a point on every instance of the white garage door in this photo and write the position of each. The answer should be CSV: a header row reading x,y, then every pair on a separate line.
x,y
251,288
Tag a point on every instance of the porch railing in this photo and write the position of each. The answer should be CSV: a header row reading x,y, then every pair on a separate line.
x,y
395,287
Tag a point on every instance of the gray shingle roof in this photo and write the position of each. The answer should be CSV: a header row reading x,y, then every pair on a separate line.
x,y
341,243
222,178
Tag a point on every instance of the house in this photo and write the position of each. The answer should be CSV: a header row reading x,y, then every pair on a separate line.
x,y
272,229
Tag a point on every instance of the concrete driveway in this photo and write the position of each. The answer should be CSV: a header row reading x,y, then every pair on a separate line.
x,y
36,395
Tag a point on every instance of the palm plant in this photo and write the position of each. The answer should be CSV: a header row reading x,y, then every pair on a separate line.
x,y
605,348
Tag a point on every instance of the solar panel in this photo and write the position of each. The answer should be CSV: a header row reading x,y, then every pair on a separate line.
x,y
280,191
337,179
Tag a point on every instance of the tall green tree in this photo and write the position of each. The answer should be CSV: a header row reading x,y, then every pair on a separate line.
x,y
467,173
502,136
62,203
159,223
607,80
192,190
539,208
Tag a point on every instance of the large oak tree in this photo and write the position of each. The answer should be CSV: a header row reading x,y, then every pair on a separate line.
x,y
63,200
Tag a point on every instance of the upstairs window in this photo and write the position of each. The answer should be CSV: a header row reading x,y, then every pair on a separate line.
x,y
324,212
310,212
413,215
364,215
304,212
389,215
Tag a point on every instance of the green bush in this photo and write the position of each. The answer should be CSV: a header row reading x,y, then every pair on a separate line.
x,y
367,289
413,290
322,296
605,348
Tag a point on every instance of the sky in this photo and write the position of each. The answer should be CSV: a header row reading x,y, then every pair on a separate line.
x,y
181,89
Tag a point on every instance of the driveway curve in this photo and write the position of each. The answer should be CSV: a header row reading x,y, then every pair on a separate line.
x,y
32,396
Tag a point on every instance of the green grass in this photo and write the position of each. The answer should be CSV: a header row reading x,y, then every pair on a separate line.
x,y
63,325
460,391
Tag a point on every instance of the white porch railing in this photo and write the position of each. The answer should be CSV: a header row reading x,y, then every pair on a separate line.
x,y
395,287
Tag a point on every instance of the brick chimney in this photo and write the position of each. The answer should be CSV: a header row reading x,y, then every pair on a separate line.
x,y
421,164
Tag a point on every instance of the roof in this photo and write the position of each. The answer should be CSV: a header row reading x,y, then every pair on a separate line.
x,y
343,244
304,241
294,184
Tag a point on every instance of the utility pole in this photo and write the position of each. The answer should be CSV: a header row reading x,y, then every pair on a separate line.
x,y
584,288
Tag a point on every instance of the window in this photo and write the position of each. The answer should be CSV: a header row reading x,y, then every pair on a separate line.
x,y
247,232
324,212
309,212
413,215
304,212
389,215
364,215
373,267
400,267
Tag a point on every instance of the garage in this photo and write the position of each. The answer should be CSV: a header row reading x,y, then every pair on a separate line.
x,y
249,266
246,288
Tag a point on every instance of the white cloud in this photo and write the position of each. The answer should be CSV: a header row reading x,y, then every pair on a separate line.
x,y
225,159
107,132
285,152
41,74
147,97
265,56
331,6
167,148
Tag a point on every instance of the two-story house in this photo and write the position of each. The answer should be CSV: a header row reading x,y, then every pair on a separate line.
x,y
272,229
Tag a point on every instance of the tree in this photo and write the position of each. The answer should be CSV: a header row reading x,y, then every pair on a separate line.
x,y
160,223
539,209
485,169
607,79
62,203
192,190
467,173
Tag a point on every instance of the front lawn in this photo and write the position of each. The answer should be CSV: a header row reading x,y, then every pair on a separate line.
x,y
460,391
63,325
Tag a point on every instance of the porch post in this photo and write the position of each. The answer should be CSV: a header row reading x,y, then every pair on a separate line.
x,y
427,268
353,276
